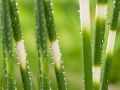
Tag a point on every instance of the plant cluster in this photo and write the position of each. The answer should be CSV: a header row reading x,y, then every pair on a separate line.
x,y
94,78
99,80
44,22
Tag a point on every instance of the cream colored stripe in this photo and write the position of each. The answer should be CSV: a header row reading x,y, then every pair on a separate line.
x,y
96,74
85,14
101,11
111,41
56,53
21,53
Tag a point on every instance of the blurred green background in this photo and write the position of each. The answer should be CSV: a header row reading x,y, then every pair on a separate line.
x,y
67,22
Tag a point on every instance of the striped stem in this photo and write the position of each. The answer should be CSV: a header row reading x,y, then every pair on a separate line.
x,y
86,44
7,45
110,45
100,21
20,48
42,46
59,68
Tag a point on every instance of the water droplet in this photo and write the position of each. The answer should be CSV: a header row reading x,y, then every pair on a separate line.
x,y
49,81
79,10
80,32
15,18
51,3
102,40
30,78
16,3
109,24
15,88
50,19
17,11
83,80
53,63
114,1
52,11
15,81
2,27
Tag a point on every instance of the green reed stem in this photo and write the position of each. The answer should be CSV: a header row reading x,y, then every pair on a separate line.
x,y
42,45
86,44
7,45
17,32
59,68
100,21
110,45
50,21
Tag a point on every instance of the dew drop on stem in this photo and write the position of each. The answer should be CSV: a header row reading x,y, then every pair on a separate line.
x,y
17,11
80,32
83,80
51,3
79,10
109,24
52,11
114,1
16,3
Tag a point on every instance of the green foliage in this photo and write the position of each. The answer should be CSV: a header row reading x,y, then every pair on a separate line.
x,y
52,34
109,55
15,21
66,19
50,21
18,38
7,45
42,46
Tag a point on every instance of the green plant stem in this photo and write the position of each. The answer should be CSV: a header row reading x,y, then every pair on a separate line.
x,y
59,69
7,45
42,46
100,21
52,34
86,44
19,45
17,32
110,45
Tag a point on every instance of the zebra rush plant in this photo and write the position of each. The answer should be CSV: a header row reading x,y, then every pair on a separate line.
x,y
110,45
86,43
94,78
10,19
100,21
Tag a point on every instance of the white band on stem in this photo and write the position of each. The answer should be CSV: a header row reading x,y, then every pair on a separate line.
x,y
101,11
56,53
21,53
96,74
111,41
85,14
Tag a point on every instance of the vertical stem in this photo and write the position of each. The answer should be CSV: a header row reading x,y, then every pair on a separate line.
x,y
7,45
0,14
110,45
86,44
42,46
59,68
20,45
100,21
